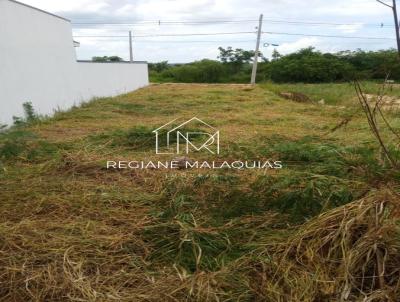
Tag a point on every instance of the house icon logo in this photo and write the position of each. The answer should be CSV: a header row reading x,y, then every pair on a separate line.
x,y
193,135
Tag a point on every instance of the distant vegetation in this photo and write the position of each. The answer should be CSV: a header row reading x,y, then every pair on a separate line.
x,y
234,66
306,65
107,59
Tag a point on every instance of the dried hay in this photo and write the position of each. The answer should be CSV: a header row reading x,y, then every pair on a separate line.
x,y
295,96
350,253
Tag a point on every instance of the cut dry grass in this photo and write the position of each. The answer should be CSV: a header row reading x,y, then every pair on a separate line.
x,y
71,230
350,253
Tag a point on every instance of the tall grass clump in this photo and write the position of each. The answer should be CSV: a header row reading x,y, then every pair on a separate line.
x,y
350,253
30,115
19,142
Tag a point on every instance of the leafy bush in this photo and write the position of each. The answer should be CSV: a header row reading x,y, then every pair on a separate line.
x,y
107,59
373,64
309,66
306,65
204,71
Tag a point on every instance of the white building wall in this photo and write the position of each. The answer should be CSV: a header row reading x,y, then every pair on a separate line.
x,y
109,79
38,64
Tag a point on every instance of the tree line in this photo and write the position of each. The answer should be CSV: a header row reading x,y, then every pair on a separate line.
x,y
306,65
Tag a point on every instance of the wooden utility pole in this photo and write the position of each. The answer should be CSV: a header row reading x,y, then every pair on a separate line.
x,y
130,47
254,71
396,21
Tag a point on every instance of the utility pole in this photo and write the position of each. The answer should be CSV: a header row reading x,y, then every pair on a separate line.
x,y
396,21
254,71
130,47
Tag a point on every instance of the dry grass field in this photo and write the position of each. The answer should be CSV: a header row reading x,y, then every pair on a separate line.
x,y
325,227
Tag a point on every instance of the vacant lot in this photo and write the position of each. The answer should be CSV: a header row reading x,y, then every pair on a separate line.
x,y
323,228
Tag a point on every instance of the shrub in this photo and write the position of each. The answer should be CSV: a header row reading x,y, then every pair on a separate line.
x,y
204,71
309,66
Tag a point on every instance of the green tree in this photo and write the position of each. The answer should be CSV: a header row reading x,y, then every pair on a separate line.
x,y
159,67
115,59
236,58
107,59
308,65
373,64
276,55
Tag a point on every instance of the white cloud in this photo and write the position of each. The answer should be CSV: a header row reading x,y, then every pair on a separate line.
x,y
286,48
350,28
360,17
55,6
173,8
358,8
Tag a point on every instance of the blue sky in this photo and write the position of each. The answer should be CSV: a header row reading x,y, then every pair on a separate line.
x,y
361,18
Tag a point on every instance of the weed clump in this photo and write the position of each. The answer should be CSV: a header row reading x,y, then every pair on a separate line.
x,y
349,253
22,144
30,115
303,195
137,138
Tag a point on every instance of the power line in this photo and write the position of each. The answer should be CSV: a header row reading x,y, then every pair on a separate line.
x,y
123,38
180,41
159,22
172,35
318,24
235,33
327,36
196,22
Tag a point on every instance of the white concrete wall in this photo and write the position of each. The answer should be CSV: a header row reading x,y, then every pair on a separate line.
x,y
38,64
109,79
